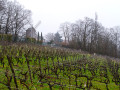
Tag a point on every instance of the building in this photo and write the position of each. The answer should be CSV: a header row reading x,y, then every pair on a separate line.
x,y
31,33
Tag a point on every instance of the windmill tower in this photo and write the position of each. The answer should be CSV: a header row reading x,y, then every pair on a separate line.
x,y
31,32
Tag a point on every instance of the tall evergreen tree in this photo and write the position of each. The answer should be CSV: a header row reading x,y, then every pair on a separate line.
x,y
57,39
41,37
38,36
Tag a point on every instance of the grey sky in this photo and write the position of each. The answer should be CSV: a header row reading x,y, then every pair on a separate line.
x,y
54,12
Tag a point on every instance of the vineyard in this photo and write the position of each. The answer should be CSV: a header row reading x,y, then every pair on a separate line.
x,y
34,67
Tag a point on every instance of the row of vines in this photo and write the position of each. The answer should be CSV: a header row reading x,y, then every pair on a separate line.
x,y
33,67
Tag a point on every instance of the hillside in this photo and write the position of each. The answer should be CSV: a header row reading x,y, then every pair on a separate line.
x,y
34,67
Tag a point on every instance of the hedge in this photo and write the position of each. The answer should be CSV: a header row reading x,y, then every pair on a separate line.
x,y
6,37
31,40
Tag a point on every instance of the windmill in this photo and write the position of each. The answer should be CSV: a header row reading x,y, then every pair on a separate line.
x,y
31,32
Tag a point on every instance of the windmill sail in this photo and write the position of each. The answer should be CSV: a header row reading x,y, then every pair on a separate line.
x,y
31,32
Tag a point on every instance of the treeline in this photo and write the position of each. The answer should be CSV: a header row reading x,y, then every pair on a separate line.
x,y
13,18
91,36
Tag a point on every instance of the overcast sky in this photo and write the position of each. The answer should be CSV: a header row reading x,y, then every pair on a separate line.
x,y
54,12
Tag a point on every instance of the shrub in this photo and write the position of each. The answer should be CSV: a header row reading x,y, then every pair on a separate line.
x,y
32,40
6,37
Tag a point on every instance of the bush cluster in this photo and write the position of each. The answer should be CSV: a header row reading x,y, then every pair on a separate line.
x,y
31,40
6,37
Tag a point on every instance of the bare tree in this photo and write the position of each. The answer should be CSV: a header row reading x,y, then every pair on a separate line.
x,y
14,18
90,35
2,14
87,27
2,4
66,31
115,31
49,37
